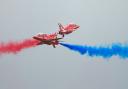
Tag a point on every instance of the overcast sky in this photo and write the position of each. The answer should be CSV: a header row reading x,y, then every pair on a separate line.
x,y
43,67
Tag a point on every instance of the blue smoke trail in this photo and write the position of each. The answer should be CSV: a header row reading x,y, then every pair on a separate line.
x,y
106,52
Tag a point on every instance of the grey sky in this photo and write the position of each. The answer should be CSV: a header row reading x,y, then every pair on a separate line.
x,y
101,22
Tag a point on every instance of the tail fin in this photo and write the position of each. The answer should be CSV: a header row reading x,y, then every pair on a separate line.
x,y
60,26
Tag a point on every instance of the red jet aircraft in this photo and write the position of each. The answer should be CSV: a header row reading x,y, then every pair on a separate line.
x,y
67,29
49,39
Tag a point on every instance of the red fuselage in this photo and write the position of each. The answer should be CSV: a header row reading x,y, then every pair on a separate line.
x,y
49,39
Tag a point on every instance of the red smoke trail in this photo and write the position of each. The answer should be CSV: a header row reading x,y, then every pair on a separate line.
x,y
14,47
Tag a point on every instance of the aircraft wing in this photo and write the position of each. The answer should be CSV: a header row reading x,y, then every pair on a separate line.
x,y
52,39
37,38
58,38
